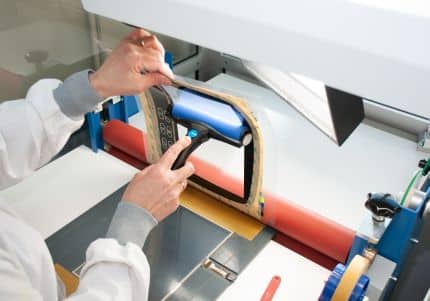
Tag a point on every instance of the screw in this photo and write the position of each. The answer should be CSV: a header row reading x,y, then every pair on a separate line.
x,y
414,240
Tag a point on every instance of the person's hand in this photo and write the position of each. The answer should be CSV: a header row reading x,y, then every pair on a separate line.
x,y
136,64
157,188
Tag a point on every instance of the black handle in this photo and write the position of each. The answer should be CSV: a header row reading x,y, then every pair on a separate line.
x,y
382,205
201,136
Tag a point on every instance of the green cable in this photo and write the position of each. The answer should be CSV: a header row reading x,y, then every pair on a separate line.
x,y
405,194
423,172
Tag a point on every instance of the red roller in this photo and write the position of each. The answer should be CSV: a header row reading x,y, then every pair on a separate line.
x,y
308,227
139,164
303,225
126,138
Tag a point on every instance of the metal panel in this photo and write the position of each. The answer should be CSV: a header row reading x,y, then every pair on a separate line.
x,y
174,248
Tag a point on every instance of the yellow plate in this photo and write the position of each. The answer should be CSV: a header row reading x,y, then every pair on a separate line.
x,y
221,214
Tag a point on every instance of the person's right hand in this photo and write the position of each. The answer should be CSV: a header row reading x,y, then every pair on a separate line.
x,y
157,188
136,64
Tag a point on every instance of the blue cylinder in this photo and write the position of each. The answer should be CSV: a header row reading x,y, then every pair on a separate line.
x,y
203,109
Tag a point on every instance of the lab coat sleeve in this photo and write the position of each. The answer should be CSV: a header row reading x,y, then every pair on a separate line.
x,y
113,272
34,129
131,223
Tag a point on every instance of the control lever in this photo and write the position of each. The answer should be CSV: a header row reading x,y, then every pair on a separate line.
x,y
382,205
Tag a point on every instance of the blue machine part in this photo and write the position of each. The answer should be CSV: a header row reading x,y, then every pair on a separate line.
x,y
94,124
330,287
395,242
202,109
192,133
123,109
360,288
168,58
332,282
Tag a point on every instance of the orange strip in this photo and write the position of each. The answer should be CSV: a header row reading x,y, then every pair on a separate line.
x,y
70,281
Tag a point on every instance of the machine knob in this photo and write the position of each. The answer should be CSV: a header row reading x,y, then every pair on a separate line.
x,y
425,165
382,205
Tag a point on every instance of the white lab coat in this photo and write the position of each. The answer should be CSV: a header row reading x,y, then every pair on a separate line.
x,y
32,131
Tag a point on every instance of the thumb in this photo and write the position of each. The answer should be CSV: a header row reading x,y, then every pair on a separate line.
x,y
154,79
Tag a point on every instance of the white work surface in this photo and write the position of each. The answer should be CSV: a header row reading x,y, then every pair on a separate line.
x,y
61,191
304,166
301,279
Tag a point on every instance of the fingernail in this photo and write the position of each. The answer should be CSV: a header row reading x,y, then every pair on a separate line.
x,y
187,139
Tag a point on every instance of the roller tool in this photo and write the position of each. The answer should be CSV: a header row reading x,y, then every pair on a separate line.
x,y
206,118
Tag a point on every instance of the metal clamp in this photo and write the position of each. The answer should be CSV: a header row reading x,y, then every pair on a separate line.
x,y
219,269
424,141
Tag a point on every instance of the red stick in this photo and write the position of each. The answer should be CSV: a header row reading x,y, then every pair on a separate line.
x,y
271,289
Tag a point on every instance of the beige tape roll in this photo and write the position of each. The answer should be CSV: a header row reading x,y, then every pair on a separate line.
x,y
357,267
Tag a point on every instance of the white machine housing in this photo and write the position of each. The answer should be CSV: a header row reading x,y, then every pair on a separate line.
x,y
378,50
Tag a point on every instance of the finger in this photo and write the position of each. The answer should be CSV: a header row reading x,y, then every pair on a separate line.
x,y
178,189
154,43
165,69
149,54
184,185
173,152
151,64
184,172
153,79
152,60
137,35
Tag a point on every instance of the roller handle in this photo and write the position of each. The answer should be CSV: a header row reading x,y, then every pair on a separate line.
x,y
199,135
382,205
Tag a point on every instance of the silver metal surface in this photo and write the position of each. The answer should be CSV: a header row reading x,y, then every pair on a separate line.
x,y
176,247
416,199
219,269
424,140
379,273
372,230
247,139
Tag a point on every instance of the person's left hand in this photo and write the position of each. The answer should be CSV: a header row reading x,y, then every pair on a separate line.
x,y
157,188
136,64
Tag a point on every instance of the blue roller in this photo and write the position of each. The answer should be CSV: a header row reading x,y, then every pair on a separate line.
x,y
202,109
